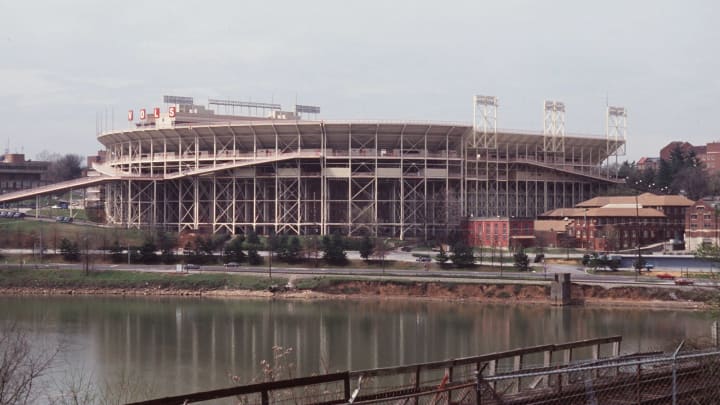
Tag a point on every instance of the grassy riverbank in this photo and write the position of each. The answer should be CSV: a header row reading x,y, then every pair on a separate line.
x,y
46,281
108,279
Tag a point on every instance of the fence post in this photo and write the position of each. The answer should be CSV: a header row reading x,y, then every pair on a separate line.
x,y
346,384
596,357
492,368
517,366
637,383
478,376
547,362
567,359
615,354
674,373
264,397
417,383
450,380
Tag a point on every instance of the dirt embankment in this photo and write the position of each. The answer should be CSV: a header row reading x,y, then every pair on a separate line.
x,y
581,294
495,292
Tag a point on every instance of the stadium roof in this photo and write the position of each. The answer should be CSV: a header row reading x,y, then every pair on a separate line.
x,y
645,199
603,212
311,131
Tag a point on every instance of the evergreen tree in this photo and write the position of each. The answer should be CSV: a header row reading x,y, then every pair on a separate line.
x,y
442,256
116,253
69,250
626,170
147,253
280,247
522,261
334,250
366,248
677,158
253,243
190,252
253,256
252,238
233,251
664,174
166,242
293,250
462,255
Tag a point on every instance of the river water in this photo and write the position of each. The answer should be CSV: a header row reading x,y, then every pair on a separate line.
x,y
181,345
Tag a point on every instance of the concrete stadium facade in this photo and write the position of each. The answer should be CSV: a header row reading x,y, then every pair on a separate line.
x,y
393,179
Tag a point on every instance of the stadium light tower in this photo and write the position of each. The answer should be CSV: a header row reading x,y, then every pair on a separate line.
x,y
484,122
554,126
615,131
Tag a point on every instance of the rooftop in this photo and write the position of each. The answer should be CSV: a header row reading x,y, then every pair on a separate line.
x,y
645,199
603,212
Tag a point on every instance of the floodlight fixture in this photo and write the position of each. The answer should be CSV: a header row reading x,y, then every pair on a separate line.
x,y
307,109
247,104
179,100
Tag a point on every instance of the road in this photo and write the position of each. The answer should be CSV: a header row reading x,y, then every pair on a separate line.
x,y
540,273
578,276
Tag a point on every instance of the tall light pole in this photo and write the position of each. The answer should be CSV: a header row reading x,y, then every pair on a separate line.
x,y
585,224
637,232
271,242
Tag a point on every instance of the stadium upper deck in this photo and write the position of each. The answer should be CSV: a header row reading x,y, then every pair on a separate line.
x,y
400,179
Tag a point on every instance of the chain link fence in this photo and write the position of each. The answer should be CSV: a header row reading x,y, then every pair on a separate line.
x,y
589,372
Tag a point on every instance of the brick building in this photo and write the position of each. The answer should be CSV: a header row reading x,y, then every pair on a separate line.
x,y
708,154
501,232
553,233
612,228
701,224
623,222
648,163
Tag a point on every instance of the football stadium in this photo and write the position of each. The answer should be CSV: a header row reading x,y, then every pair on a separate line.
x,y
232,166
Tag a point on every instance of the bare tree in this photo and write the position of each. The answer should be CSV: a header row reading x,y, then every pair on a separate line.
x,y
66,167
21,365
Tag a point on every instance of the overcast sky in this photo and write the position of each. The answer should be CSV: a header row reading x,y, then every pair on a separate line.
x,y
64,63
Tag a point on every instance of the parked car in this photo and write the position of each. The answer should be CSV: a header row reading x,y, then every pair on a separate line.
x,y
18,215
683,281
423,259
649,266
232,264
666,276
191,266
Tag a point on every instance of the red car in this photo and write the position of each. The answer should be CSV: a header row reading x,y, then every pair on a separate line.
x,y
683,281
665,276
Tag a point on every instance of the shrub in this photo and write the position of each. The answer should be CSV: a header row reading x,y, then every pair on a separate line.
x,y
69,250
522,261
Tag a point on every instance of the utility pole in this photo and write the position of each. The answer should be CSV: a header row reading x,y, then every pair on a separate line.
x,y
637,232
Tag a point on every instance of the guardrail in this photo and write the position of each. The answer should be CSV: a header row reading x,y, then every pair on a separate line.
x,y
394,383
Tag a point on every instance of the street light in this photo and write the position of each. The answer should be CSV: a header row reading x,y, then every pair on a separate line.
x,y
271,247
383,248
585,225
637,232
